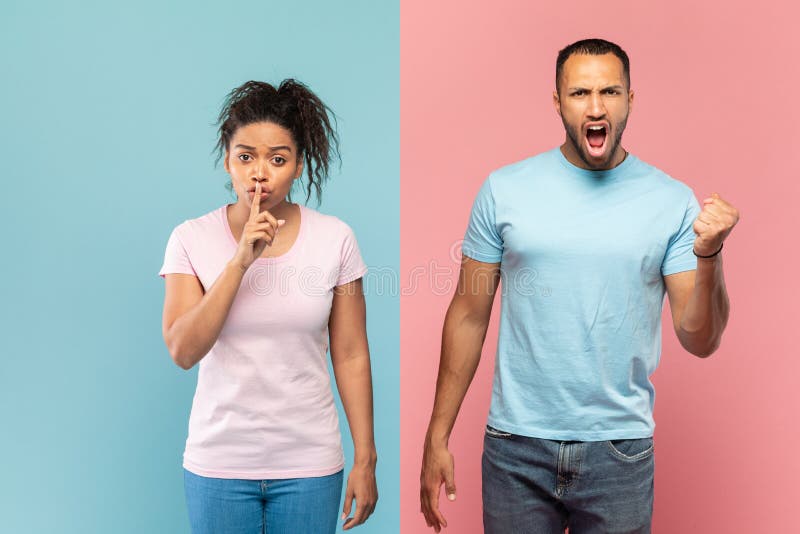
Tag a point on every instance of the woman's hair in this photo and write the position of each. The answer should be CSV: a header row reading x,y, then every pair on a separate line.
x,y
293,106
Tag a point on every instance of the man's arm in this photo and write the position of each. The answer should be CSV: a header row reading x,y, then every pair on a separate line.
x,y
462,339
699,305
698,299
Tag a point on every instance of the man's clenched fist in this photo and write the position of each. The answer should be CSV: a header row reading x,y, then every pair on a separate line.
x,y
712,226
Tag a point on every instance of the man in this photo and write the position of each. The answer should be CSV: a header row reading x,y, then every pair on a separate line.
x,y
601,235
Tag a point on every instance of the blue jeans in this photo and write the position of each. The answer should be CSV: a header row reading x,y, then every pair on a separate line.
x,y
544,486
281,506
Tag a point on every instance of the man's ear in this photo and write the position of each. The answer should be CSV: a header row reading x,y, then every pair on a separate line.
x,y
630,101
557,102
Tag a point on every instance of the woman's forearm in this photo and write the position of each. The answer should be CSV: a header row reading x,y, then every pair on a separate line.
x,y
192,335
354,380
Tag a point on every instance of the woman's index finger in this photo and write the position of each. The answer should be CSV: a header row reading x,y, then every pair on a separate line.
x,y
254,207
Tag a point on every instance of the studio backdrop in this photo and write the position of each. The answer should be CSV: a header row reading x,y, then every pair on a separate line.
x,y
107,138
714,108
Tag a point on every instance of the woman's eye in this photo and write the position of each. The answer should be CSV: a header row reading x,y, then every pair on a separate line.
x,y
279,160
245,157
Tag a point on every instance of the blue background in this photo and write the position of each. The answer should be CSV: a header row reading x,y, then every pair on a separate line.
x,y
107,133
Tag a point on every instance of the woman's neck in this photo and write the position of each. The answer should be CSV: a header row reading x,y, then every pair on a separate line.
x,y
240,212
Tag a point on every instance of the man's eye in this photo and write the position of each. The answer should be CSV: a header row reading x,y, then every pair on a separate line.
x,y
578,93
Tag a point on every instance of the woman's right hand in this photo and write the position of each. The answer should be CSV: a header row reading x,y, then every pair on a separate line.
x,y
258,232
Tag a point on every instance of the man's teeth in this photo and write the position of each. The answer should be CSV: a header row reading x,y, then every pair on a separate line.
x,y
597,128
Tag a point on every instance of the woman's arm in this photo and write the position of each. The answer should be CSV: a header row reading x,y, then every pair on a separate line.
x,y
192,319
350,356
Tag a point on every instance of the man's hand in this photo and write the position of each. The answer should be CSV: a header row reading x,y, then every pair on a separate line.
x,y
462,338
712,226
437,468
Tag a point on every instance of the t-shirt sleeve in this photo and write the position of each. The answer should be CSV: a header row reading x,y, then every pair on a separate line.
x,y
176,259
482,242
679,255
351,265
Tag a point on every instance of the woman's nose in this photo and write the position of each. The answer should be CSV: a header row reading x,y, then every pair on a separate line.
x,y
262,173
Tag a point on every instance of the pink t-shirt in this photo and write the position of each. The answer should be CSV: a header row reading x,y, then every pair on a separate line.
x,y
263,407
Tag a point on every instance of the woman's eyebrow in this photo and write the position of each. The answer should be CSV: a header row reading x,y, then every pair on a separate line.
x,y
271,148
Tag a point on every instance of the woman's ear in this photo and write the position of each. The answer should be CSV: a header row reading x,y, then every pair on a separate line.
x,y
299,172
225,163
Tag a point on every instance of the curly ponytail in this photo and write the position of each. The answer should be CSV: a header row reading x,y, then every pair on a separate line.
x,y
292,105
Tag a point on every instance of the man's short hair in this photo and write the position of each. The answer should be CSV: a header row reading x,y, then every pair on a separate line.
x,y
593,47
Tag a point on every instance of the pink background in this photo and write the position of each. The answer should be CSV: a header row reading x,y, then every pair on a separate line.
x,y
717,107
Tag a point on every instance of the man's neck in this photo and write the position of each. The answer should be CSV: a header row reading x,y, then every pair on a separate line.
x,y
573,156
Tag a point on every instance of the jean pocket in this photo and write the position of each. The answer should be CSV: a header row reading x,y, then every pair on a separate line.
x,y
631,449
493,432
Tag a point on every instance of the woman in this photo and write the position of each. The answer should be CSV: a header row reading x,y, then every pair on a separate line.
x,y
255,290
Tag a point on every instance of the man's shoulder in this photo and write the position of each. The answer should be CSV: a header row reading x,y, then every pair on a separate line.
x,y
661,178
524,169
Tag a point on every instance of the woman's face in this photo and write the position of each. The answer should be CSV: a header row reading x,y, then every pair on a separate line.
x,y
263,152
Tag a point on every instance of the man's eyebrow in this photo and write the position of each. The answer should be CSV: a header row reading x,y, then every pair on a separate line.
x,y
617,87
271,148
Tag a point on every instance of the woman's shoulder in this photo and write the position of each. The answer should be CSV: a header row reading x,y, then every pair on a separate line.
x,y
324,223
211,221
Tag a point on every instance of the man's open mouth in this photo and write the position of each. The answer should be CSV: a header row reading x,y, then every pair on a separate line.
x,y
596,136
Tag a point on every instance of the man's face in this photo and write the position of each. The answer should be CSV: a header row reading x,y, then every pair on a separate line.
x,y
593,100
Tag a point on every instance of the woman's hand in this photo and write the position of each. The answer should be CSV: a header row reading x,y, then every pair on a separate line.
x,y
258,232
361,486
347,329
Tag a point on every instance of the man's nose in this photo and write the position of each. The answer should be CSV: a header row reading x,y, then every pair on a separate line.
x,y
597,108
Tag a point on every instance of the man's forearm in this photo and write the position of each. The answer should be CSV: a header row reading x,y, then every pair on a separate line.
x,y
706,313
462,340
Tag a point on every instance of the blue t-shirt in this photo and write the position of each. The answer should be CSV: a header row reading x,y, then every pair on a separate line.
x,y
582,258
